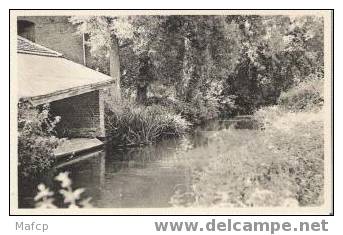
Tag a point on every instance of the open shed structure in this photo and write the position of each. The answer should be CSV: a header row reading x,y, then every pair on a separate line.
x,y
74,91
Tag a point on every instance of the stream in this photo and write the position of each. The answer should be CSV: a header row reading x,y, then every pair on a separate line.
x,y
141,177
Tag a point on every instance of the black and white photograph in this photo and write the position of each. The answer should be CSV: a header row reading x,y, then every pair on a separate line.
x,y
171,112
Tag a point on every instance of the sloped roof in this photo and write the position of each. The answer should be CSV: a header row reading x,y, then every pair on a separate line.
x,y
44,75
29,47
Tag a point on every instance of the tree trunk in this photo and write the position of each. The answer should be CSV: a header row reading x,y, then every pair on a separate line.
x,y
180,85
144,78
115,68
197,61
142,90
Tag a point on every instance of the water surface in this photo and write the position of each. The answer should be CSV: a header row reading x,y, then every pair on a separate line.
x,y
147,176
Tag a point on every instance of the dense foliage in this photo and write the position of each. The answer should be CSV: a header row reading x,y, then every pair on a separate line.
x,y
218,65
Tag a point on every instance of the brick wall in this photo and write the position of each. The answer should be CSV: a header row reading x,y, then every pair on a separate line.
x,y
81,116
55,32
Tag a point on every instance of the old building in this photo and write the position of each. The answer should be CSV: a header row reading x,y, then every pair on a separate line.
x,y
51,69
72,90
58,34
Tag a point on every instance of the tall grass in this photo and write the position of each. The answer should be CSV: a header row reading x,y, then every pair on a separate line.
x,y
131,124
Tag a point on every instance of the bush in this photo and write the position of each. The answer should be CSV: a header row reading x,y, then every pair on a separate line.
x,y
299,136
36,141
186,110
300,139
307,95
132,124
196,112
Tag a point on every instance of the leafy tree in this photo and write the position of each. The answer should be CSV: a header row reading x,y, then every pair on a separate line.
x,y
141,33
277,52
228,64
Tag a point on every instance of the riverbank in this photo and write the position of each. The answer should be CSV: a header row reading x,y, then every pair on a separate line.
x,y
279,166
281,163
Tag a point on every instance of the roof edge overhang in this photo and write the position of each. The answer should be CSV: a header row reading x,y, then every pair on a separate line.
x,y
62,94
39,54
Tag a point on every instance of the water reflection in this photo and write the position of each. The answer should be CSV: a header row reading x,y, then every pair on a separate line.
x,y
151,176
